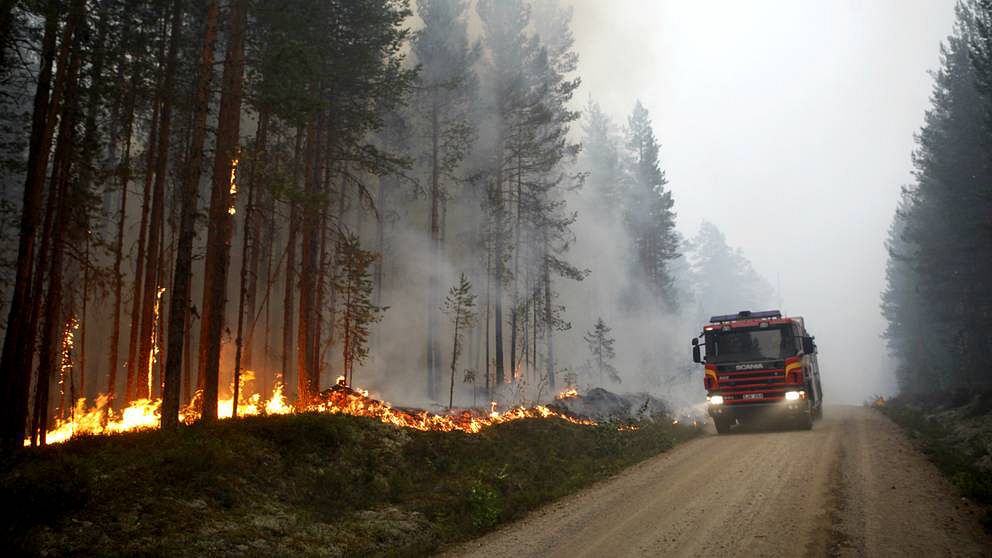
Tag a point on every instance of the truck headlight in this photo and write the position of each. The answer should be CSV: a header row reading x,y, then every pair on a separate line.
x,y
715,399
792,396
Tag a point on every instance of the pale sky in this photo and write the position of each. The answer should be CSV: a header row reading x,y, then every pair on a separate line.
x,y
789,124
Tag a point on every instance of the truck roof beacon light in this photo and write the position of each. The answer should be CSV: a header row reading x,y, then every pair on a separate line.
x,y
746,314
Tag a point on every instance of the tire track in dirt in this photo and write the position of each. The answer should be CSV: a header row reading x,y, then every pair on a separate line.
x,y
762,493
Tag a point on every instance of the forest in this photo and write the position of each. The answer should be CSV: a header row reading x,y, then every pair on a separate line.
x,y
937,301
246,201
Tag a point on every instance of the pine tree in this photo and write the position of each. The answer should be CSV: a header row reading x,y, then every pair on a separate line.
x,y
217,260
459,306
602,352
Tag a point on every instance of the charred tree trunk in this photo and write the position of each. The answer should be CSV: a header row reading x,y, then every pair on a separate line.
x,y
218,256
179,315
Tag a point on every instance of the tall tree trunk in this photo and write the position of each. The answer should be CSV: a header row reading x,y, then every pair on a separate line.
x,y
454,353
498,287
124,173
180,315
53,297
246,245
255,226
18,348
306,345
287,304
434,294
139,269
489,276
153,279
218,256
549,320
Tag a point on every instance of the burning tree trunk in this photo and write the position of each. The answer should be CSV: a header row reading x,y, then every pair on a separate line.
x,y
143,381
246,245
53,298
179,315
224,187
136,298
124,173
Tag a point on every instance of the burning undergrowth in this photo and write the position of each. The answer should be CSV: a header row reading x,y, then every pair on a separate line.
x,y
305,484
100,418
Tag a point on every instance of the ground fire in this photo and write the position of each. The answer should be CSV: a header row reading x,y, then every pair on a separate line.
x,y
143,414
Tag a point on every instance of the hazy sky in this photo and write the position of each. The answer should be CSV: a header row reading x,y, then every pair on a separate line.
x,y
789,124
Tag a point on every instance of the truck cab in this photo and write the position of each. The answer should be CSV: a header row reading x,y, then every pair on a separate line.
x,y
759,363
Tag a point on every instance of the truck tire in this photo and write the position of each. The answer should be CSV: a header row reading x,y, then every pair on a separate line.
x,y
722,424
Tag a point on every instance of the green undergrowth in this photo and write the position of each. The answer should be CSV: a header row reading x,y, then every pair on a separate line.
x,y
952,442
303,485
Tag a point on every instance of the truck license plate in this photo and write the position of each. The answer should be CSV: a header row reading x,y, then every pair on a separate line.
x,y
754,396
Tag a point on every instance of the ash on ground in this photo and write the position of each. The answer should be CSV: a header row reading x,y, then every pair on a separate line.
x,y
605,406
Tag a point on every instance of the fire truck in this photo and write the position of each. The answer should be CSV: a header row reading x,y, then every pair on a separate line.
x,y
759,363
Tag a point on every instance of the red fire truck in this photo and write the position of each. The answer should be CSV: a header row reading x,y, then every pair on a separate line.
x,y
759,363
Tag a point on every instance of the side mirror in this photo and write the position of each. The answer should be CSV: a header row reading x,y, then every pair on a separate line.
x,y
694,341
696,357
808,346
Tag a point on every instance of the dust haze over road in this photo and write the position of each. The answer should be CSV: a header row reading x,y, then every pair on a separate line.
x,y
853,486
789,125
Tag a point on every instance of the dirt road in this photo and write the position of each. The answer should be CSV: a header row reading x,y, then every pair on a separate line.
x,y
853,486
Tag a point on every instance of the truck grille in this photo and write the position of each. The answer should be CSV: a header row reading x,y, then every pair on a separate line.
x,y
751,386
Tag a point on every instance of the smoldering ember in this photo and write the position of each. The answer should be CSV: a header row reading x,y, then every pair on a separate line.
x,y
495,277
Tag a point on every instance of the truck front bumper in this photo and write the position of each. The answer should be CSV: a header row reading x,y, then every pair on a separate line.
x,y
780,408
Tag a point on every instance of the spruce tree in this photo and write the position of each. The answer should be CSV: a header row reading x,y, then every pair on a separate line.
x,y
357,311
459,306
648,212
602,352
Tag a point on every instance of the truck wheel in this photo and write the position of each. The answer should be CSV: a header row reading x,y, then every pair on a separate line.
x,y
722,424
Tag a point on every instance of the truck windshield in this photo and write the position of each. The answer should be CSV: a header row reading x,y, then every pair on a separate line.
x,y
742,345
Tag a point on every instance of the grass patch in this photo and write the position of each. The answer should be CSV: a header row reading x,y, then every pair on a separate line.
x,y
958,462
302,485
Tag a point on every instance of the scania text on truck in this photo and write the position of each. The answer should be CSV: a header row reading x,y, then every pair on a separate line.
x,y
759,363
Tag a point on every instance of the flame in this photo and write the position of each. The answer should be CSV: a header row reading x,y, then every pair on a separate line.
x,y
143,414
65,357
155,348
567,394
234,188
